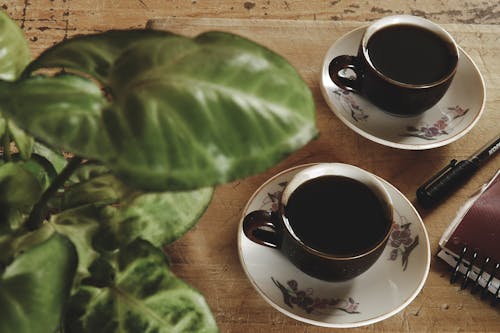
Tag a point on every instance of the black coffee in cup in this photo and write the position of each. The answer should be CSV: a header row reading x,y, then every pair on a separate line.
x,y
404,65
333,221
411,54
337,215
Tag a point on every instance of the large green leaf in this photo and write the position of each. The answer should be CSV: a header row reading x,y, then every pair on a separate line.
x,y
35,287
180,113
14,50
93,54
140,295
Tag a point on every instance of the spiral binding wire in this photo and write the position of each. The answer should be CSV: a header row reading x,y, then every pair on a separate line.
x,y
467,276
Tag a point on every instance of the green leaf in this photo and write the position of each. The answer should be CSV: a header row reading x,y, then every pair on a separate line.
x,y
142,295
20,240
56,159
14,49
93,54
35,287
21,185
64,111
39,167
15,55
80,225
24,142
159,218
3,125
181,113
103,189
88,171
18,186
93,184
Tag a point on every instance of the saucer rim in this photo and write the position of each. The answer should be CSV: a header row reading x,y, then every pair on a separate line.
x,y
353,324
406,146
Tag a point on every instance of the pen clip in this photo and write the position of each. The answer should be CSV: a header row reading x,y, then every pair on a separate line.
x,y
452,163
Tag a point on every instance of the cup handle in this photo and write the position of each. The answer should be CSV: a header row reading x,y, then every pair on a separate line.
x,y
262,227
345,62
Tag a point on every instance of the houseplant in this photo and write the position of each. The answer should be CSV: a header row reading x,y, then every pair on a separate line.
x,y
152,121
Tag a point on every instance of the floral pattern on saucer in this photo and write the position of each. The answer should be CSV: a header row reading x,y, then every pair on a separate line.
x,y
350,105
305,299
445,125
402,243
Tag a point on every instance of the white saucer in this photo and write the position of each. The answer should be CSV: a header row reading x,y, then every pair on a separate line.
x,y
450,119
383,290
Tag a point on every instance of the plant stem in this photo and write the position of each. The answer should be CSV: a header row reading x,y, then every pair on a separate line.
x,y
39,211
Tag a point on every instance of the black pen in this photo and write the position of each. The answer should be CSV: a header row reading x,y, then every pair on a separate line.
x,y
455,174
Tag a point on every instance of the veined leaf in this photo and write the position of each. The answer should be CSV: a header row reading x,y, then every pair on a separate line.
x,y
182,113
14,49
100,190
61,110
35,287
88,171
93,54
159,218
141,296
80,225
99,211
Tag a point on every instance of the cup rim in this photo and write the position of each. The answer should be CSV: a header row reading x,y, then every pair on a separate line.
x,y
415,21
338,169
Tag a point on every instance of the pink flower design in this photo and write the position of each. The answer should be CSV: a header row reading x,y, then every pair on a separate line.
x,y
273,198
457,111
442,126
304,299
350,105
402,243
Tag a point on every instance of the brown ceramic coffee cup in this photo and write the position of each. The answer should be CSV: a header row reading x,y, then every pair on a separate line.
x,y
333,221
404,64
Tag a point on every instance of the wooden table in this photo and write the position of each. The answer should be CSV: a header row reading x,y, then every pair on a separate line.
x,y
207,256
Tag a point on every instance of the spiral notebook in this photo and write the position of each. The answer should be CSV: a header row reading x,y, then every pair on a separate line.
x,y
471,243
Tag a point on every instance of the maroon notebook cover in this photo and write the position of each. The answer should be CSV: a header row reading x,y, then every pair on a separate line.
x,y
477,227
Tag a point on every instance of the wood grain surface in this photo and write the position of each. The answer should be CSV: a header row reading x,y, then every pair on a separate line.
x,y
302,31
